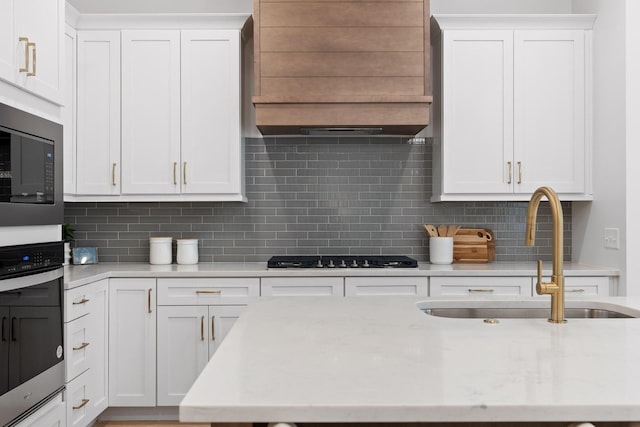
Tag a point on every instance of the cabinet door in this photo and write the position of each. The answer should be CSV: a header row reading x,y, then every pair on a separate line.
x,y
150,112
7,42
42,22
549,102
69,111
132,342
77,341
98,131
183,336
221,319
477,112
211,146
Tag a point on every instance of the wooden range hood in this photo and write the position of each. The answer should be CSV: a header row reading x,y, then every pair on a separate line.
x,y
341,67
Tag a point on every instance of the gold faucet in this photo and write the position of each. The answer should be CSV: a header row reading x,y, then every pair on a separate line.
x,y
555,288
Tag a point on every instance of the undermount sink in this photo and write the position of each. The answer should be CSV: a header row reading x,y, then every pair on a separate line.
x,y
524,310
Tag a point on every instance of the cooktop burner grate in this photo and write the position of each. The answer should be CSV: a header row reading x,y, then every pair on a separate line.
x,y
342,261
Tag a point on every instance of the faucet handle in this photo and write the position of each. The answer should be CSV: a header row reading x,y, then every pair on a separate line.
x,y
543,288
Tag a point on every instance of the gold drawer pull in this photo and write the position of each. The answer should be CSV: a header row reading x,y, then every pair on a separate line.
x,y
216,291
113,174
480,290
83,345
82,301
33,45
184,172
213,328
574,290
149,301
82,405
25,69
510,172
202,328
175,179
519,172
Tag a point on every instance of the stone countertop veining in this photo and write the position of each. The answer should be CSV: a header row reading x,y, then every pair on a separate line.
x,y
372,359
78,275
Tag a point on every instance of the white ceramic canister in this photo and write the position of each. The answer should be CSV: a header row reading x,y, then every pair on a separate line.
x,y
441,250
187,251
160,250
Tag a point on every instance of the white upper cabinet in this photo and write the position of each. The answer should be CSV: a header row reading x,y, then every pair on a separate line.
x,y
97,157
211,112
512,110
159,114
32,46
150,112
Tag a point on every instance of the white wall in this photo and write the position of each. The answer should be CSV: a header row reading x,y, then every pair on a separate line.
x,y
609,141
633,145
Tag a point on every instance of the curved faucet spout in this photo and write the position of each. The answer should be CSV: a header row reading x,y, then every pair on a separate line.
x,y
555,288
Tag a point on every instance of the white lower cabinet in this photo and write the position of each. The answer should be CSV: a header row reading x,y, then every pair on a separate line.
x,y
486,286
194,316
301,286
52,414
132,342
187,338
365,286
86,343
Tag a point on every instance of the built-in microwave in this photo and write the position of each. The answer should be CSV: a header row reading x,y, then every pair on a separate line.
x,y
30,169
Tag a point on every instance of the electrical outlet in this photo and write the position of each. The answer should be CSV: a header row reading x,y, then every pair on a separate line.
x,y
612,238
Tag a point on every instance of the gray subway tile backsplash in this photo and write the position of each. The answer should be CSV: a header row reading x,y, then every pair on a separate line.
x,y
314,196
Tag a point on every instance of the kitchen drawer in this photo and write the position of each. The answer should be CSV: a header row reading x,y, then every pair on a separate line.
x,y
77,302
579,287
480,286
207,291
77,341
302,286
82,399
364,286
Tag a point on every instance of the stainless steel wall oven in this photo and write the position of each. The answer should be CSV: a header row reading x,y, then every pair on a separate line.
x,y
30,169
31,322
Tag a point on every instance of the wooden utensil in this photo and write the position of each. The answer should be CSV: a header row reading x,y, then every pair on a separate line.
x,y
453,230
431,230
442,230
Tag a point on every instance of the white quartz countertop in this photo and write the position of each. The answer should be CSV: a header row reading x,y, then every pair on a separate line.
x,y
77,275
381,359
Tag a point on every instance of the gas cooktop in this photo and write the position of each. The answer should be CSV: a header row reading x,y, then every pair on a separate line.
x,y
342,261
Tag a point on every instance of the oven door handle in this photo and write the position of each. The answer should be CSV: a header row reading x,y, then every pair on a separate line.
x,y
4,324
30,280
14,334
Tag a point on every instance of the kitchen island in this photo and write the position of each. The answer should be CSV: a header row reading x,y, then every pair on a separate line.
x,y
373,359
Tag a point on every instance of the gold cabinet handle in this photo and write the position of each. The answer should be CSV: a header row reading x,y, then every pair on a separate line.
x,y
33,73
82,405
83,345
510,172
184,173
25,69
519,172
175,179
149,301
216,291
202,328
82,301
113,174
476,290
574,290
213,328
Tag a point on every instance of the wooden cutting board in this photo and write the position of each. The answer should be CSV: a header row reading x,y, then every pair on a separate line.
x,y
474,245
